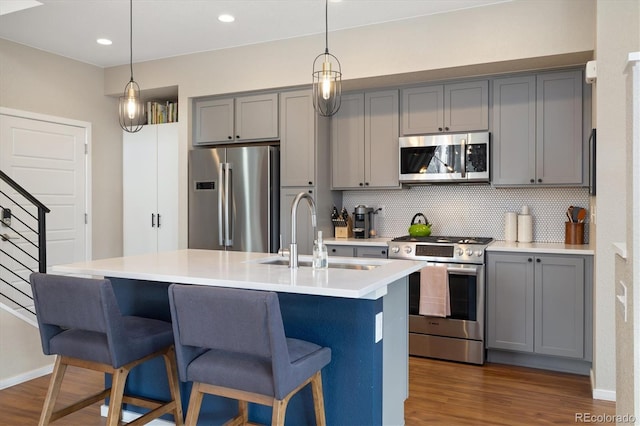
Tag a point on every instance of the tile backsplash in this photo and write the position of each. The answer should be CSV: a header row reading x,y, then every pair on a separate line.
x,y
478,210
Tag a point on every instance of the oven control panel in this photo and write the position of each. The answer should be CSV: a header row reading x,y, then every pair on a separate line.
x,y
463,253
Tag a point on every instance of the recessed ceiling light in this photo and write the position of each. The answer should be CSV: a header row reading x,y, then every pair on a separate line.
x,y
104,41
225,17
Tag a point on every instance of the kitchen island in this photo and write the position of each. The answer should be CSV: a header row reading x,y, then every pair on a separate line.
x,y
358,308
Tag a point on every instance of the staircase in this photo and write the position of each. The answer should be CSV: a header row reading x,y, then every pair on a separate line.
x,y
23,247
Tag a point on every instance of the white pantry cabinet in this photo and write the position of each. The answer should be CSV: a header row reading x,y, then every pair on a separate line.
x,y
150,189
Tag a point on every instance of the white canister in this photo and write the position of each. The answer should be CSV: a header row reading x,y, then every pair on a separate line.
x,y
525,227
510,227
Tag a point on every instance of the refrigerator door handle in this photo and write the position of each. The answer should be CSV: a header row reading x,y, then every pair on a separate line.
x,y
221,183
228,231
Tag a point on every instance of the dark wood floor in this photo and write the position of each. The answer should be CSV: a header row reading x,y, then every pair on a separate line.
x,y
440,393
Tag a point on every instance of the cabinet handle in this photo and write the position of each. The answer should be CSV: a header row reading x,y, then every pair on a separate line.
x,y
539,180
538,260
439,129
153,220
237,136
158,220
360,184
532,180
310,183
229,137
366,184
310,192
529,260
446,128
383,252
333,250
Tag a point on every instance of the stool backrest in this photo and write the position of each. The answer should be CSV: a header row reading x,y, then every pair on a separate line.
x,y
64,302
233,320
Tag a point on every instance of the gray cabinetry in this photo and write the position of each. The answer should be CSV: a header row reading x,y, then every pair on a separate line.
x,y
537,130
365,141
454,107
297,139
240,119
304,232
538,303
356,250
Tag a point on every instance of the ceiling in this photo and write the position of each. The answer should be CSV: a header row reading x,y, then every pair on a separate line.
x,y
166,28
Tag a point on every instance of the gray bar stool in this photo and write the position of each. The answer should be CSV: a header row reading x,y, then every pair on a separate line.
x,y
231,343
81,323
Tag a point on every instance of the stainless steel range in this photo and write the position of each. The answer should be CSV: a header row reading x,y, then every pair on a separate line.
x,y
460,335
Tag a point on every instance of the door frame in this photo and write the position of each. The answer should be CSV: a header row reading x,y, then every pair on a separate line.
x,y
87,163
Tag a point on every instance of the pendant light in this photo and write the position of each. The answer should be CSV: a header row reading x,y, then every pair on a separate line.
x,y
130,107
327,77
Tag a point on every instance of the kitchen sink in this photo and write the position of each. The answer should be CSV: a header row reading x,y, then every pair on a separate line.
x,y
283,261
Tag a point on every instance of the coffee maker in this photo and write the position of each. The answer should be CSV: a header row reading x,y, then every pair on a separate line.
x,y
362,221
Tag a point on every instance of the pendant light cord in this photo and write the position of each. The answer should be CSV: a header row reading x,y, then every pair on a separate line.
x,y
131,37
326,26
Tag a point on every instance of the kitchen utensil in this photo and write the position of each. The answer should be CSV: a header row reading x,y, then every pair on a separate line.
x,y
582,215
570,213
418,229
569,216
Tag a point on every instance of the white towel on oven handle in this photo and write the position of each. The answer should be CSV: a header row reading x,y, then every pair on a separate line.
x,y
434,291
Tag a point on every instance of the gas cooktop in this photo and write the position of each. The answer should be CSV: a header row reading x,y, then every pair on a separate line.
x,y
444,240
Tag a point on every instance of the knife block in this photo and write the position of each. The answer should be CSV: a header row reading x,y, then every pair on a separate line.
x,y
343,228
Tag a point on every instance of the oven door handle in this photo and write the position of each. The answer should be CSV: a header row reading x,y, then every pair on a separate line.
x,y
468,270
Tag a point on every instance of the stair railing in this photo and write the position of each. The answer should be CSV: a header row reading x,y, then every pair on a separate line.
x,y
22,256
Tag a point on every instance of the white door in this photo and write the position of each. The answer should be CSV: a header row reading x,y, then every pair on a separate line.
x,y
47,159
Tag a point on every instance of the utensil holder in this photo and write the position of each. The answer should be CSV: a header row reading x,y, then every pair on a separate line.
x,y
574,232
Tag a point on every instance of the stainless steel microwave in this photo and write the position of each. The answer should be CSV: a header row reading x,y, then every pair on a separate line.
x,y
445,158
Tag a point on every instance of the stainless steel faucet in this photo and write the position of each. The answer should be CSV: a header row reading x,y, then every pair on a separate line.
x,y
293,247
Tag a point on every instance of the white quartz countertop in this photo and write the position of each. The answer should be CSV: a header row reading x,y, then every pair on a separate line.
x,y
550,248
368,242
244,270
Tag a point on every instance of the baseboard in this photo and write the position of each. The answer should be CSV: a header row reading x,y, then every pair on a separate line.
x,y
29,375
605,395
129,416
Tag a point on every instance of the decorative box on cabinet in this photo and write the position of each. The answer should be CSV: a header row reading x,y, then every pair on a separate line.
x,y
540,304
231,120
150,189
538,130
365,141
455,107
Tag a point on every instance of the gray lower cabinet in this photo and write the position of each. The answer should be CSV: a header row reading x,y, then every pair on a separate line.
x,y
364,141
455,107
240,119
376,252
537,130
539,304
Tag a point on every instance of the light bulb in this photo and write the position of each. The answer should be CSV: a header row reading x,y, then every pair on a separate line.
x,y
326,80
132,106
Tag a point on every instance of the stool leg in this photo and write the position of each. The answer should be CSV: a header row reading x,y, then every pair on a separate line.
x,y
279,410
174,385
115,398
52,393
318,399
195,401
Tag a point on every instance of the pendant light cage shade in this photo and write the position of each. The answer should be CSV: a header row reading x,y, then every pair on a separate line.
x,y
327,84
131,108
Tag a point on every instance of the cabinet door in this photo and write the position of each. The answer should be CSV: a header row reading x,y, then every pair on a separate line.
x,y
372,252
139,191
422,110
340,250
559,155
256,117
559,306
167,184
381,129
213,121
304,231
347,143
466,106
297,139
514,130
510,299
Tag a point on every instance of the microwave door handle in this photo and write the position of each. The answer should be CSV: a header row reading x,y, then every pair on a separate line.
x,y
463,157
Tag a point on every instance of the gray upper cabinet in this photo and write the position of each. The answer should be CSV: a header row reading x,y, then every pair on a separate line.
x,y
455,107
537,130
365,141
297,139
537,303
241,119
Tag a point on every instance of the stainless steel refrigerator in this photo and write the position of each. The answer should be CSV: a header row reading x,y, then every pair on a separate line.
x,y
234,198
